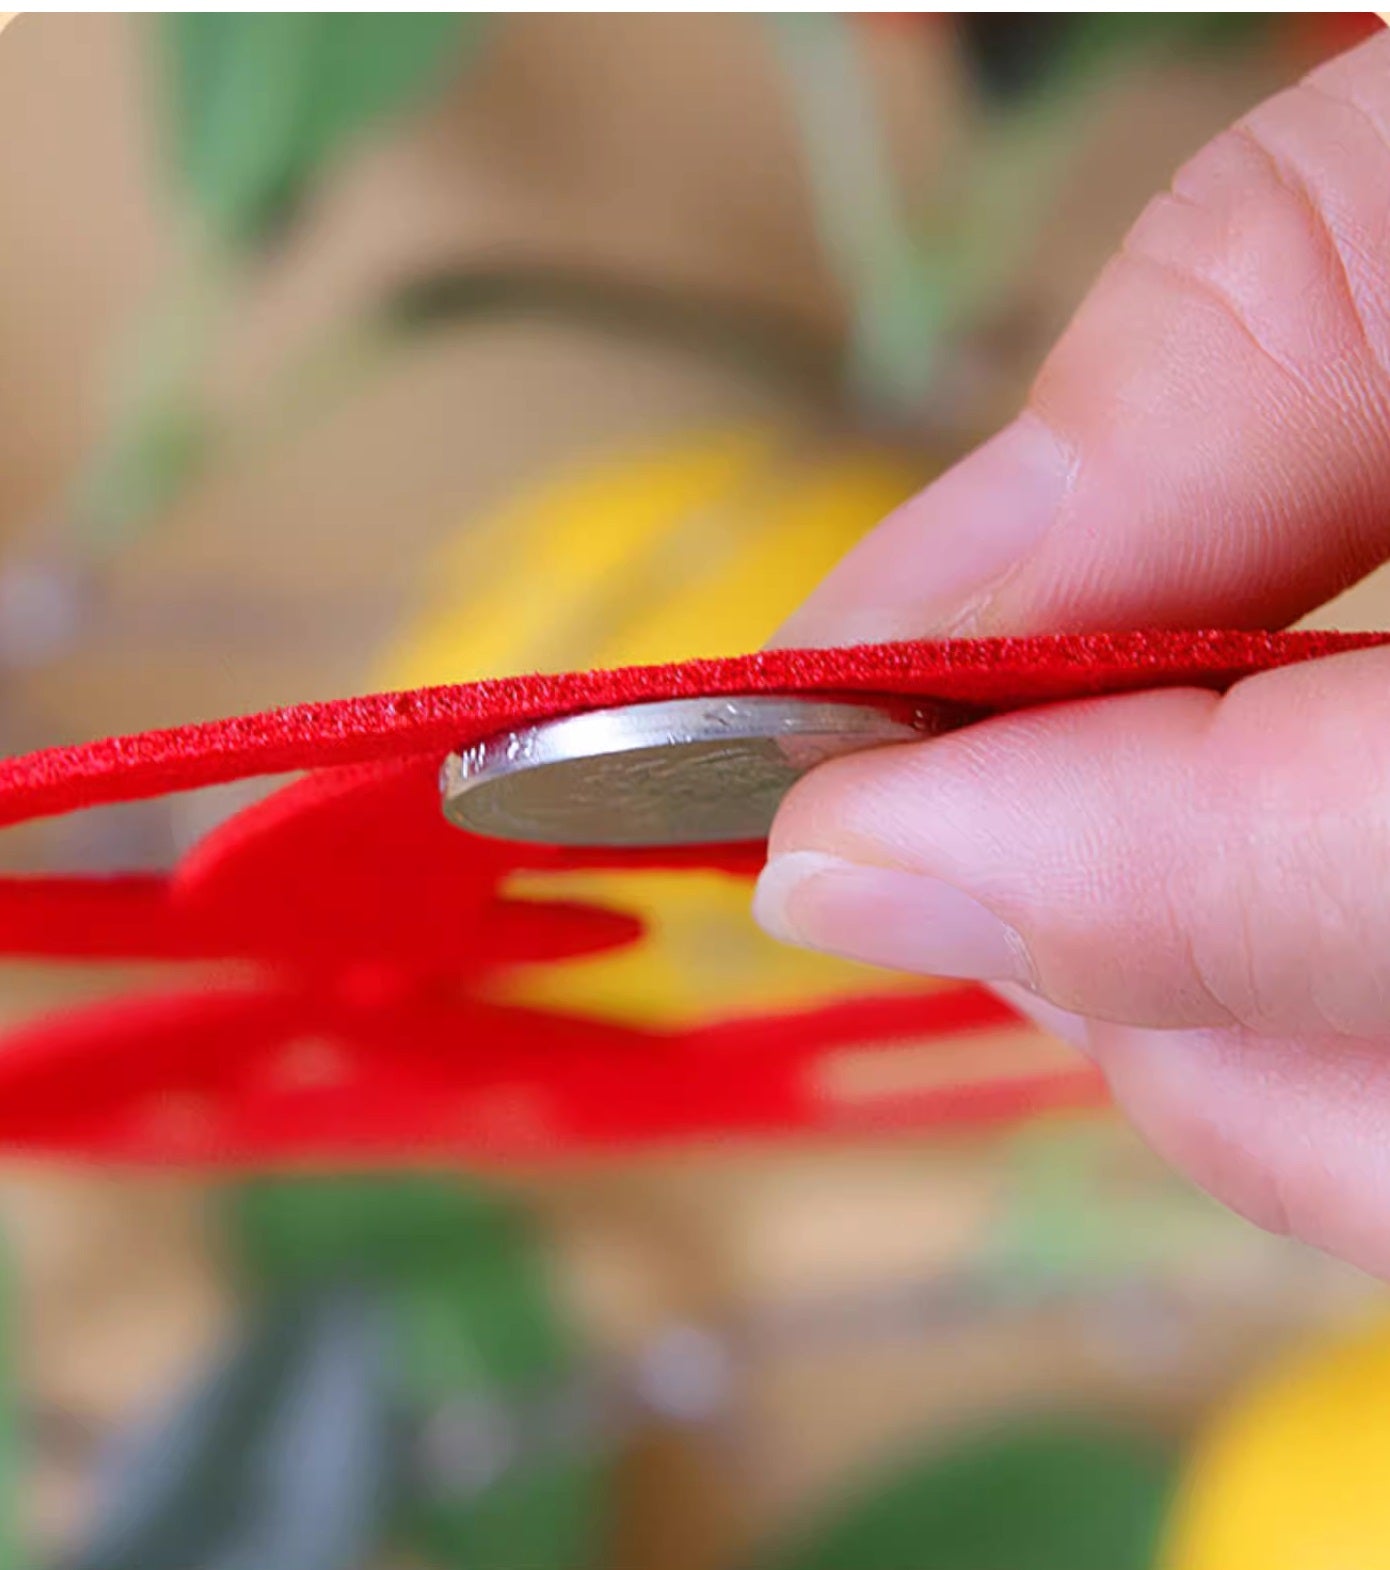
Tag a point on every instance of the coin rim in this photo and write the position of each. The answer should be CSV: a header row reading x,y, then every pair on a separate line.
x,y
673,722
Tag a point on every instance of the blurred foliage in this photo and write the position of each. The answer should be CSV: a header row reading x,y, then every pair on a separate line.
x,y
923,270
482,1356
1077,1208
498,1467
262,107
478,1352
288,1235
1012,55
1007,54
402,1333
863,217
1038,1493
272,1457
272,1460
264,103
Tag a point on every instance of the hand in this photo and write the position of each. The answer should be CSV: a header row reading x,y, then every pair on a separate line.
x,y
1194,889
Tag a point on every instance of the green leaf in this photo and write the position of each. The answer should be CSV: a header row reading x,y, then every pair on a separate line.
x,y
262,103
1042,1494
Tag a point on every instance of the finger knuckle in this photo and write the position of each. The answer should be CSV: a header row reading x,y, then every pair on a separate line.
x,y
1275,237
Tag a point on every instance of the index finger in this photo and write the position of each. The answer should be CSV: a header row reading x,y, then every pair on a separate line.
x,y
1209,443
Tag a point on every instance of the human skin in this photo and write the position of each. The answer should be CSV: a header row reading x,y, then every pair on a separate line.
x,y
1194,889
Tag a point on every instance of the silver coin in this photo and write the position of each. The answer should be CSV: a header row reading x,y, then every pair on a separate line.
x,y
689,771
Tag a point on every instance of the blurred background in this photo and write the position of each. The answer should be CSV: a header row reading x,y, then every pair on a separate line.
x,y
342,352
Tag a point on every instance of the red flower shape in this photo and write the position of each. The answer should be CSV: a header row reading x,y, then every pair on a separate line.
x,y
363,1029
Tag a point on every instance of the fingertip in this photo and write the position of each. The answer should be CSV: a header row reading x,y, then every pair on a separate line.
x,y
1064,824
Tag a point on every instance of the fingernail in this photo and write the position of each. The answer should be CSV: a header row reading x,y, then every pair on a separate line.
x,y
884,917
934,564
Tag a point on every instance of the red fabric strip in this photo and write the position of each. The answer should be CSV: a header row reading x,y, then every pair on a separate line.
x,y
236,1079
992,673
365,1033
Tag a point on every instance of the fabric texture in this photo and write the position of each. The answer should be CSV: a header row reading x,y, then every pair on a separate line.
x,y
363,1023
990,673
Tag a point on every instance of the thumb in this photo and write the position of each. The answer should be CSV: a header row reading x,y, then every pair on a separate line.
x,y
1190,888
1209,443
1166,859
